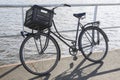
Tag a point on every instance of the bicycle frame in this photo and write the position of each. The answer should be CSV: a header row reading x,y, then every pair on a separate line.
x,y
74,42
59,36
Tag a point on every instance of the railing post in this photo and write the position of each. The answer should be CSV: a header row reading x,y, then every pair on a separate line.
x,y
95,13
23,17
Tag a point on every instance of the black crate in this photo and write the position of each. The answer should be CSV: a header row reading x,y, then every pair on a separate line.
x,y
38,17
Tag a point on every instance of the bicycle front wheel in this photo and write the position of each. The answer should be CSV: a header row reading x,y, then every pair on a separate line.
x,y
93,43
39,53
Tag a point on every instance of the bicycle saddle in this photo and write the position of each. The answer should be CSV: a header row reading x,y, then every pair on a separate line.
x,y
79,15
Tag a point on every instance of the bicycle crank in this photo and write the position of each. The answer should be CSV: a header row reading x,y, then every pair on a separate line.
x,y
73,52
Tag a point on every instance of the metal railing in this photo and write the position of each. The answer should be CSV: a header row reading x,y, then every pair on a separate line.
x,y
73,5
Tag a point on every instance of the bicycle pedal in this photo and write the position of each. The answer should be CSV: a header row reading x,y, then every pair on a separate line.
x,y
75,58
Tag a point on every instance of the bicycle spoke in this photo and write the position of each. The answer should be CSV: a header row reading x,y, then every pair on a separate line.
x,y
40,43
36,45
86,46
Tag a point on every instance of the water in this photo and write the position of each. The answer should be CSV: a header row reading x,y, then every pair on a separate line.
x,y
11,24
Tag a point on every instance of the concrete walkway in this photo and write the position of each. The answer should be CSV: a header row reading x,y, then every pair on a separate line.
x,y
67,69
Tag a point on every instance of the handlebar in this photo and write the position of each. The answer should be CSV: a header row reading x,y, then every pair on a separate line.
x,y
61,6
67,5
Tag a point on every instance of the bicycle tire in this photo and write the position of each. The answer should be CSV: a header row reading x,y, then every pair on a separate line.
x,y
35,61
98,46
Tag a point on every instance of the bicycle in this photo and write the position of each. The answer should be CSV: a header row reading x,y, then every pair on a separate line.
x,y
40,52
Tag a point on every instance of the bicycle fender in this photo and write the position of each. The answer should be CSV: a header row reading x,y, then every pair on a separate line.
x,y
96,23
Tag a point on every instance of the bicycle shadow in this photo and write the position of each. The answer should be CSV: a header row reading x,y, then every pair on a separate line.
x,y
77,74
10,70
80,72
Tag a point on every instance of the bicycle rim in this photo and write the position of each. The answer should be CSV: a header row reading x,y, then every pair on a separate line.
x,y
93,43
39,54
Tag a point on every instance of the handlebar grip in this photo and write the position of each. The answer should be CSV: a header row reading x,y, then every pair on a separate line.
x,y
67,5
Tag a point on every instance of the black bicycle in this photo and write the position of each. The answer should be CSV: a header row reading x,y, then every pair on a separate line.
x,y
40,52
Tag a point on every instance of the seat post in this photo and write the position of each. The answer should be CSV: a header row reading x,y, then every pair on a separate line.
x,y
77,31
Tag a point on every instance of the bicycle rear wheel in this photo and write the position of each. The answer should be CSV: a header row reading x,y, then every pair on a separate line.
x,y
93,43
39,53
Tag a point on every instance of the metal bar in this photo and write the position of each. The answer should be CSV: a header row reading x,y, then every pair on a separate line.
x,y
95,13
23,17
102,4
64,31
115,27
10,36
50,5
